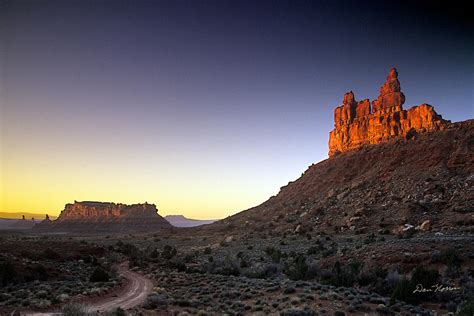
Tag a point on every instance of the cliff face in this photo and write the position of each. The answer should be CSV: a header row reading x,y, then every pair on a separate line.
x,y
357,123
105,210
107,217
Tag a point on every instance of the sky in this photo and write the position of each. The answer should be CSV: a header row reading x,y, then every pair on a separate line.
x,y
205,108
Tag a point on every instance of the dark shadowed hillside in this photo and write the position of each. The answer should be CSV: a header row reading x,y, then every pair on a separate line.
x,y
404,181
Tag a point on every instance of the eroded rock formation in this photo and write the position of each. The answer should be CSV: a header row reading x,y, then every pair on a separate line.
x,y
104,216
357,123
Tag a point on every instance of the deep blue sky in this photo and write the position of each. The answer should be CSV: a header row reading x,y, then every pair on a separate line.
x,y
204,107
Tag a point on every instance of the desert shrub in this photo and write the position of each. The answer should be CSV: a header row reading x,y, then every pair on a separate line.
x,y
154,254
135,256
168,252
404,290
369,239
313,270
274,254
450,257
99,275
7,273
244,263
343,275
40,273
119,312
92,260
50,254
262,271
223,267
74,310
380,272
298,268
313,250
207,251
467,308
230,267
453,262
189,257
392,278
176,264
327,252
155,300
427,277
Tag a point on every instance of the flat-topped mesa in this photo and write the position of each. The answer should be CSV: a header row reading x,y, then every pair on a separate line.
x,y
357,123
104,210
95,217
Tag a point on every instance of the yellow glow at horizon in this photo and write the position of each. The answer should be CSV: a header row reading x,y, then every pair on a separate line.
x,y
44,185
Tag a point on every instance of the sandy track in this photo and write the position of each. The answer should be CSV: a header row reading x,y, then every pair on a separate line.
x,y
135,292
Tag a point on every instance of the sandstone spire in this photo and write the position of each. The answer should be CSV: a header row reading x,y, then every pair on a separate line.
x,y
357,123
390,98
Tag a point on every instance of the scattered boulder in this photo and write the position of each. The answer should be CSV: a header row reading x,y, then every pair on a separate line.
x,y
425,226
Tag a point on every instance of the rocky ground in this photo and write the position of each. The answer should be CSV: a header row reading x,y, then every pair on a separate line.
x,y
39,273
305,275
293,274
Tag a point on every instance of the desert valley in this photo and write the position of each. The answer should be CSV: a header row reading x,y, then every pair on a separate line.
x,y
384,226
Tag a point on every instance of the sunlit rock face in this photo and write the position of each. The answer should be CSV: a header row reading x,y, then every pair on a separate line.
x,y
358,123
106,210
91,216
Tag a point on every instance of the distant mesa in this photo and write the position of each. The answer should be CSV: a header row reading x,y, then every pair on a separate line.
x,y
358,123
100,217
181,221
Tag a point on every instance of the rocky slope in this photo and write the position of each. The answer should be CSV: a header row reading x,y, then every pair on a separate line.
x,y
357,123
382,187
91,216
395,171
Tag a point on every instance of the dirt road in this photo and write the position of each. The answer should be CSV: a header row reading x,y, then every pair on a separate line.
x,y
134,293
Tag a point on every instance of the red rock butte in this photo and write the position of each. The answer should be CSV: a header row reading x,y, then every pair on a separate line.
x,y
359,123
104,216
